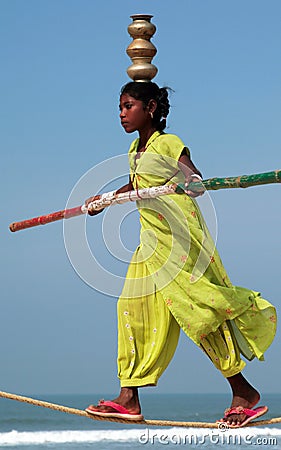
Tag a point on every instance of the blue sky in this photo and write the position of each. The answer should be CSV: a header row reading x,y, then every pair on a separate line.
x,y
63,63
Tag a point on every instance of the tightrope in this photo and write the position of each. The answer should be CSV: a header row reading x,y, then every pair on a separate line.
x,y
159,423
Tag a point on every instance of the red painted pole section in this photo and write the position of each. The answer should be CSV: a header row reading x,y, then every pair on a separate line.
x,y
42,220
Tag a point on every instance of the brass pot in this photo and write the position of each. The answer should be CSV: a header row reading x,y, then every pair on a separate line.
x,y
141,50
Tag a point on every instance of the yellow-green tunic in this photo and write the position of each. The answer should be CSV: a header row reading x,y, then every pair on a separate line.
x,y
176,280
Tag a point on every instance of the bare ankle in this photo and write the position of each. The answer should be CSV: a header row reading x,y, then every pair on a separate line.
x,y
243,392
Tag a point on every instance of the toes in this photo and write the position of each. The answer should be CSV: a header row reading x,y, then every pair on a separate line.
x,y
100,408
234,420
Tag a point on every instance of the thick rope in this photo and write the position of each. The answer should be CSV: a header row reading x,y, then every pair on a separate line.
x,y
159,423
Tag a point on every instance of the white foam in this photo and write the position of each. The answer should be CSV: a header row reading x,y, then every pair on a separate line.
x,y
66,436
151,435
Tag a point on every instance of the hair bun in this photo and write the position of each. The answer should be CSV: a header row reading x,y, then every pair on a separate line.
x,y
163,101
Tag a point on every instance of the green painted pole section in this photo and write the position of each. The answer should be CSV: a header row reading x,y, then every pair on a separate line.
x,y
243,181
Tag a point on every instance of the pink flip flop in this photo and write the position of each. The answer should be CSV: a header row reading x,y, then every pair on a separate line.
x,y
250,413
119,413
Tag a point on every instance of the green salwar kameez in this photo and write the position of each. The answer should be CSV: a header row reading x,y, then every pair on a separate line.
x,y
176,280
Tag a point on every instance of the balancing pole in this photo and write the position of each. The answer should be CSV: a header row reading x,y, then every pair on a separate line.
x,y
110,198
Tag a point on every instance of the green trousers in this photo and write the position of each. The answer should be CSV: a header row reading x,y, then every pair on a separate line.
x,y
148,336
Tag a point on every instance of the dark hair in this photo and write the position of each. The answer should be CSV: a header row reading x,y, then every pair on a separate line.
x,y
146,91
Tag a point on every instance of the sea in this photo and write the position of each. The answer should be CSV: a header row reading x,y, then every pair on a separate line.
x,y
29,427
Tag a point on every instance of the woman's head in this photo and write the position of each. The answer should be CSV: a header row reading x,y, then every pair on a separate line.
x,y
149,92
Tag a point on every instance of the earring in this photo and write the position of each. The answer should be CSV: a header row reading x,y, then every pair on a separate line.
x,y
151,115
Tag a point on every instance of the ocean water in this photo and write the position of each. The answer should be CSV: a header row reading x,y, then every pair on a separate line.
x,y
24,426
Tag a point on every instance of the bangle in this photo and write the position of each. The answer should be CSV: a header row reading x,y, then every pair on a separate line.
x,y
197,176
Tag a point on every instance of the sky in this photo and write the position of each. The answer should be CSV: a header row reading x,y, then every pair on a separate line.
x,y
63,64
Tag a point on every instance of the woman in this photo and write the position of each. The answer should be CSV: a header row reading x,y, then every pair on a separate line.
x,y
176,278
